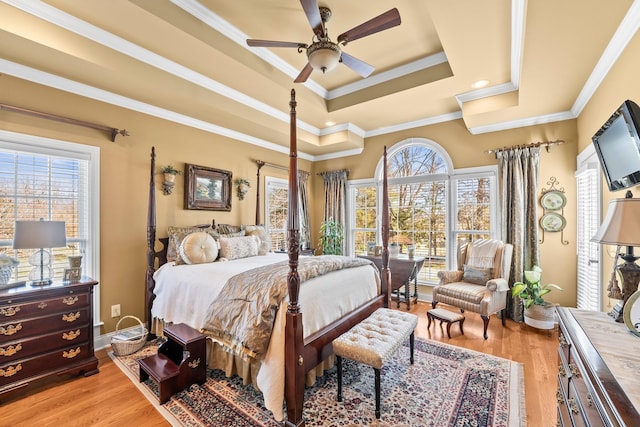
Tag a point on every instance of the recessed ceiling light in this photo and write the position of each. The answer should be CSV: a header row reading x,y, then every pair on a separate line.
x,y
479,84
330,123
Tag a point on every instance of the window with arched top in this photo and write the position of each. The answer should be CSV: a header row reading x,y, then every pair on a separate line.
x,y
432,205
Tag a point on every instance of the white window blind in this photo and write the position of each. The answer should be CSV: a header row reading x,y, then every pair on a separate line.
x,y
34,186
276,207
588,254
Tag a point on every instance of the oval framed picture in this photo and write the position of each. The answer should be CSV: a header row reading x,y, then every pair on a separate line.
x,y
631,313
552,222
553,200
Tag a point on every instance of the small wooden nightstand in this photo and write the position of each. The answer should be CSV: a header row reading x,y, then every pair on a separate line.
x,y
45,331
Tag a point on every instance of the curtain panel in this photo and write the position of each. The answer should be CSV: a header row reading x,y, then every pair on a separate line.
x,y
335,195
303,193
518,184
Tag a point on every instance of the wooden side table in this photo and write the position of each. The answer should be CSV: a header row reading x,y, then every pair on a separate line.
x,y
404,270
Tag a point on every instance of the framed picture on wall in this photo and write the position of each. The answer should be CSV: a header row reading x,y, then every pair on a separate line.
x,y
207,188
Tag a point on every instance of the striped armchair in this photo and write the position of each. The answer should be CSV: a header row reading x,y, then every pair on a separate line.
x,y
481,282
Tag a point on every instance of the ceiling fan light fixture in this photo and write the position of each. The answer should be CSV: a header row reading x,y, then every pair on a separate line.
x,y
323,55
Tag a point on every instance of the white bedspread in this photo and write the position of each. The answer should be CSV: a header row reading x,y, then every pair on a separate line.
x,y
184,293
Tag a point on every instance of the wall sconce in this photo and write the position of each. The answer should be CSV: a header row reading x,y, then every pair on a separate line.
x,y
169,179
242,187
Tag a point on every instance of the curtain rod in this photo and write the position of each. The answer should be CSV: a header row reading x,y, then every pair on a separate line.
x,y
260,164
112,131
335,171
545,144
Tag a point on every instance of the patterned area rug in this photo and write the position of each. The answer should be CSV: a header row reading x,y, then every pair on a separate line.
x,y
446,386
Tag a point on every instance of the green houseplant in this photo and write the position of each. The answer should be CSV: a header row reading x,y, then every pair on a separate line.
x,y
537,312
331,237
169,169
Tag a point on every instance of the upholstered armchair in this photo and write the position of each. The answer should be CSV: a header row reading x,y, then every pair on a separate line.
x,y
481,282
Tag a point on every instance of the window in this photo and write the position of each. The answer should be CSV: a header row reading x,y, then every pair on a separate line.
x,y
431,205
588,252
53,180
276,204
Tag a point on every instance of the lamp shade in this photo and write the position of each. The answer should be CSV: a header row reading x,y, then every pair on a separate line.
x,y
621,226
39,234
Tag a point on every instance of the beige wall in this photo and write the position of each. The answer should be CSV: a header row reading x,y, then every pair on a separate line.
x,y
125,171
621,83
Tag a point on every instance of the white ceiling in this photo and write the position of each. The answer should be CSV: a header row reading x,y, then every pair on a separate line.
x,y
187,61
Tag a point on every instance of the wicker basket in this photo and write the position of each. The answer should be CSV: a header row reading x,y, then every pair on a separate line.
x,y
124,347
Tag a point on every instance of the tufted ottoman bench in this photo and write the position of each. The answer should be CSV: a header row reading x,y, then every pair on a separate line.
x,y
373,341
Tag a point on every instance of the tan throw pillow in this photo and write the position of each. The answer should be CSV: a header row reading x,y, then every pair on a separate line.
x,y
264,244
198,248
478,276
176,234
228,228
238,247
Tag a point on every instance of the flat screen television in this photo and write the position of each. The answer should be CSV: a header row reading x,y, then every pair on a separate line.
x,y
618,146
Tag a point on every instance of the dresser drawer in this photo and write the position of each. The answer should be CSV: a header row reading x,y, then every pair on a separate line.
x,y
24,368
18,330
42,343
15,309
564,419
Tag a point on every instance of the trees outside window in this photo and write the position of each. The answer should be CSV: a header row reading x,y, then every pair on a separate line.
x,y
432,206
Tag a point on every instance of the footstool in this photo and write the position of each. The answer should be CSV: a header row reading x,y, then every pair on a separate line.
x,y
373,341
446,316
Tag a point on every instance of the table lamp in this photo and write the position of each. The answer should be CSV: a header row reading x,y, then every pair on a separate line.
x,y
621,227
40,235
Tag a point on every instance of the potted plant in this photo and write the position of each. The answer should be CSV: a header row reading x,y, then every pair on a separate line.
x,y
537,312
331,237
170,173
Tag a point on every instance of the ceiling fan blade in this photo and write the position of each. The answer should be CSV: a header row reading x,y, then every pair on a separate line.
x,y
274,43
356,65
389,19
304,74
312,11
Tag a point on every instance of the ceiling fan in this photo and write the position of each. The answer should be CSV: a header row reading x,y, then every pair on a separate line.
x,y
324,54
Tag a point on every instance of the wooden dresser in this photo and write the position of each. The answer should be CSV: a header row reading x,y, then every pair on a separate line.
x,y
46,331
598,380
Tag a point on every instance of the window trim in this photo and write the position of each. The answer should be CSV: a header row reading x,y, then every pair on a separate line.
x,y
54,147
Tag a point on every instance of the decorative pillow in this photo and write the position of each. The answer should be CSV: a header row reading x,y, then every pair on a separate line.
x,y
198,248
228,228
238,247
478,276
264,242
236,234
176,234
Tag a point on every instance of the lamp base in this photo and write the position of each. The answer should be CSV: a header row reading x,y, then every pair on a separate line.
x,y
43,282
616,312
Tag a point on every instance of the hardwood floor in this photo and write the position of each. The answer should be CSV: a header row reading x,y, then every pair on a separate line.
x,y
110,398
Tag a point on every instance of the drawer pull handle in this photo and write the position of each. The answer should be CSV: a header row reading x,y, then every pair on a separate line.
x,y
559,397
71,317
9,311
11,350
70,300
71,335
71,353
11,370
11,329
562,371
42,305
574,370
589,400
194,363
573,406
563,341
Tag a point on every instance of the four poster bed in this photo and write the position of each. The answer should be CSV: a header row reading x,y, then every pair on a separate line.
x,y
298,348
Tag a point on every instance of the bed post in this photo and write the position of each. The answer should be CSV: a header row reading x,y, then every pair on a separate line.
x,y
385,287
294,338
151,239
